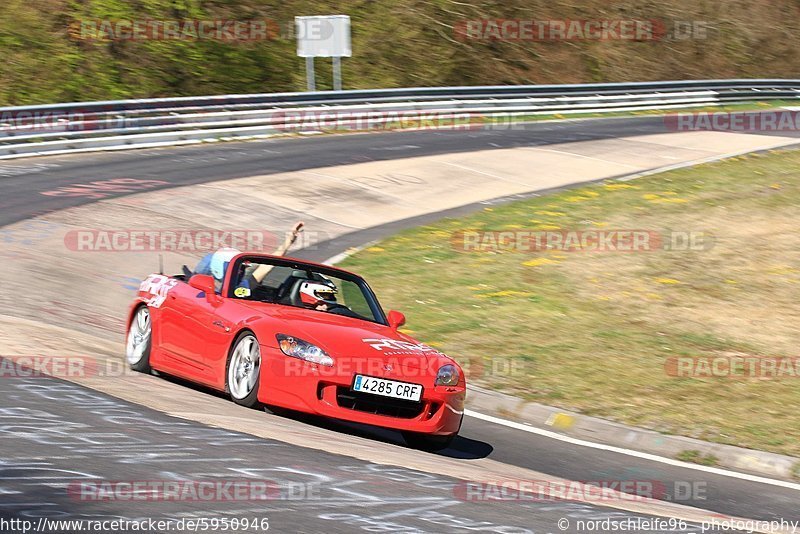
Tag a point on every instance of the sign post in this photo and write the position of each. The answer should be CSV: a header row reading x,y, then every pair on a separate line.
x,y
311,81
323,36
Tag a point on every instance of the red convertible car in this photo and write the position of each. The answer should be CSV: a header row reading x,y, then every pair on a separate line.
x,y
282,332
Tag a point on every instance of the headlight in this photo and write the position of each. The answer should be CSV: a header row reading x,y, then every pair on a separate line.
x,y
447,376
297,348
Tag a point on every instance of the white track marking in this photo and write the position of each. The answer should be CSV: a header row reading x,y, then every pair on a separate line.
x,y
576,155
635,454
484,173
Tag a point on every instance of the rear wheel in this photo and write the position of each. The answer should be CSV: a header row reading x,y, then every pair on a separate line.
x,y
244,370
137,346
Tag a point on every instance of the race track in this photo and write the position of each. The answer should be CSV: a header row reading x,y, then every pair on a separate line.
x,y
56,432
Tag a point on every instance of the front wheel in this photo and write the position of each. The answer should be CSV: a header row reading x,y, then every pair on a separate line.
x,y
137,346
244,370
428,442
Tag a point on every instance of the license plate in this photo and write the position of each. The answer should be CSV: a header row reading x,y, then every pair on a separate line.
x,y
388,388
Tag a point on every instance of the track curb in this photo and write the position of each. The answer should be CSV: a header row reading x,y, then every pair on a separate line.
x,y
594,429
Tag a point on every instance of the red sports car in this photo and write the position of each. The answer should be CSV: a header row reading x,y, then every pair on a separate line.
x,y
288,333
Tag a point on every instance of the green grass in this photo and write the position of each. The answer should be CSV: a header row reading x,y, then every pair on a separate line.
x,y
696,457
592,332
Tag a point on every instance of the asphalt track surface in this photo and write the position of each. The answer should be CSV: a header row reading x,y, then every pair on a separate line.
x,y
66,449
22,184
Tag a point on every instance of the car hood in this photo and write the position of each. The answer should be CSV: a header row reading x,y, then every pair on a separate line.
x,y
346,337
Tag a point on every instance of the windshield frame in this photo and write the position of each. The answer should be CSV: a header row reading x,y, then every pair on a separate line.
x,y
372,300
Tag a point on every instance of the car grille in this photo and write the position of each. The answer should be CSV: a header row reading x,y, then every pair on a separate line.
x,y
364,402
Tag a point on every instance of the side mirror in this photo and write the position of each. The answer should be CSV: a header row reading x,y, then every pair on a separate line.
x,y
396,319
204,283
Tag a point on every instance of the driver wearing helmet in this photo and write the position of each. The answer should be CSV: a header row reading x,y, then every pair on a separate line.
x,y
216,265
320,296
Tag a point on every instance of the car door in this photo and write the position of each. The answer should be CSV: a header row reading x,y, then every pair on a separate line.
x,y
228,313
199,335
209,333
187,331
176,339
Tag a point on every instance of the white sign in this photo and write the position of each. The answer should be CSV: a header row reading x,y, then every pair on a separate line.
x,y
325,36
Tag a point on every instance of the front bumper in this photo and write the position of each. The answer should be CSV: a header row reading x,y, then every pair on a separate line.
x,y
294,384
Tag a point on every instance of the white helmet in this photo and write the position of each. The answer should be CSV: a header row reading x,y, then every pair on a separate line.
x,y
220,261
315,293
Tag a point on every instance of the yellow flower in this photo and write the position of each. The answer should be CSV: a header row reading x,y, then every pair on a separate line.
x,y
375,249
551,213
547,227
537,262
650,197
668,281
504,293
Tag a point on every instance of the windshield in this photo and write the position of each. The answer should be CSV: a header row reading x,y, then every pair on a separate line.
x,y
290,283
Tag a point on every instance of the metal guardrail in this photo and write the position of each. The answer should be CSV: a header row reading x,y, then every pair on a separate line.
x,y
113,125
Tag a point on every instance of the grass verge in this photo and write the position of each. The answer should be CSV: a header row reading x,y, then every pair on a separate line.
x,y
696,457
595,332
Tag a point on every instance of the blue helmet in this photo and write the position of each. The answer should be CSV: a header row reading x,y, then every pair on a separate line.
x,y
220,260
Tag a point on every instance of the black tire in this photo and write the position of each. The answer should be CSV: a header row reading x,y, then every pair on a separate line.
x,y
277,410
427,442
244,397
139,340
